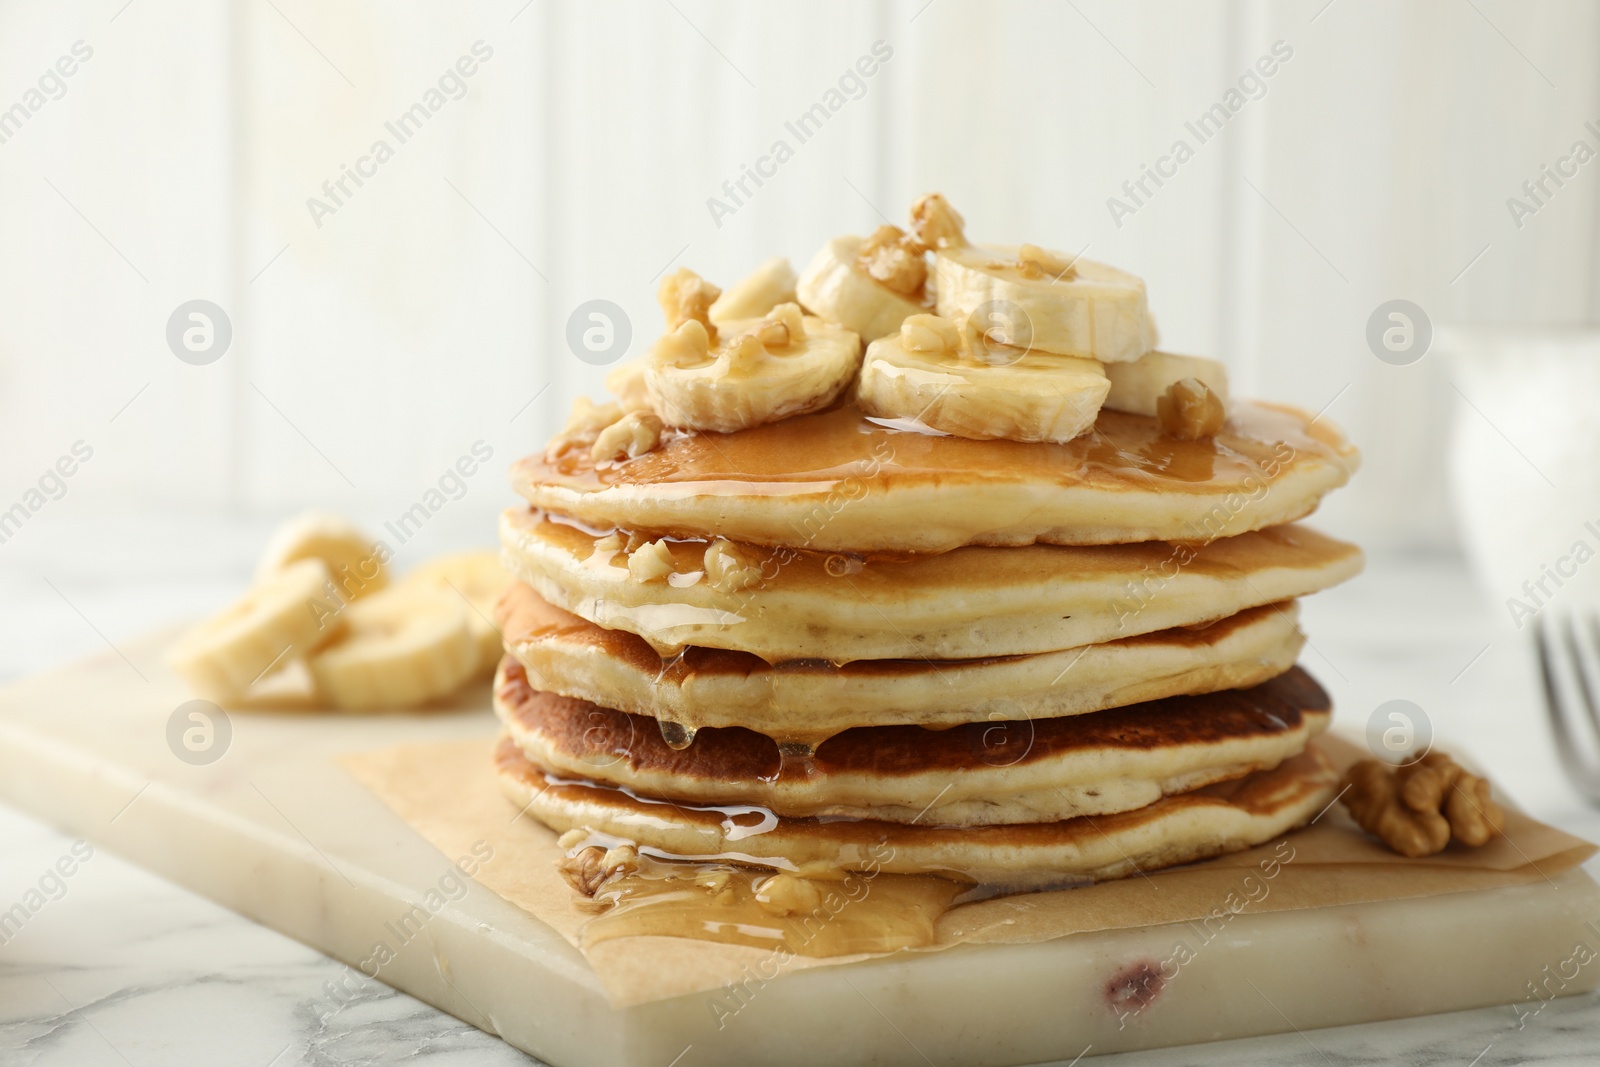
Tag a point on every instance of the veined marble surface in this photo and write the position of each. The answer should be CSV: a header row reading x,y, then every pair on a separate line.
x,y
127,969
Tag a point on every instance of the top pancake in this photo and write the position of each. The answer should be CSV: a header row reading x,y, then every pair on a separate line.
x,y
840,481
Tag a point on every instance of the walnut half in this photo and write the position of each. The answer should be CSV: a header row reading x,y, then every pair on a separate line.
x,y
1417,809
590,868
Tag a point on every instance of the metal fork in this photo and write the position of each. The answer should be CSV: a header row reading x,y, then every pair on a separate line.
x,y
1580,649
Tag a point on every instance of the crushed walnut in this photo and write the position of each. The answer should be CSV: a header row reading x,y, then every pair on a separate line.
x,y
788,894
626,382
586,420
728,567
684,296
1417,809
650,561
742,355
1037,263
897,260
685,346
588,869
1190,411
628,438
936,223
929,333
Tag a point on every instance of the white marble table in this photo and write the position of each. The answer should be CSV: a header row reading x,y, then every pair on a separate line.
x,y
127,969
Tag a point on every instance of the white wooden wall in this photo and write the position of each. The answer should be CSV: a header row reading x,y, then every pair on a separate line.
x,y
428,311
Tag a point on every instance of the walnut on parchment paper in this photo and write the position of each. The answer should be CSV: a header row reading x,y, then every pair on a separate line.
x,y
590,868
1417,809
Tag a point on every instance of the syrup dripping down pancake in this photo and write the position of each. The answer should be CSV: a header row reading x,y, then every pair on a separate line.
x,y
967,603
837,481
977,774
807,701
1227,817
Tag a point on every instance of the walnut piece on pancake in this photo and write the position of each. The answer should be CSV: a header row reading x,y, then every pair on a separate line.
x,y
788,894
629,437
936,223
930,334
1416,810
684,296
729,568
1036,262
1190,411
895,259
590,868
650,561
783,326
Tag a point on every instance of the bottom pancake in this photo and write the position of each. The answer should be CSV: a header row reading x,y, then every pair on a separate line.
x,y
1228,817
976,774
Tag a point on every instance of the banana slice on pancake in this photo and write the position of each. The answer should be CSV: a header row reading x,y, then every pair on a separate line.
x,y
1137,387
770,284
1031,297
750,371
930,373
476,580
400,648
839,287
353,560
275,622
1035,298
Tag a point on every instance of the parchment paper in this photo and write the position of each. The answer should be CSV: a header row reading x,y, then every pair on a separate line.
x,y
448,793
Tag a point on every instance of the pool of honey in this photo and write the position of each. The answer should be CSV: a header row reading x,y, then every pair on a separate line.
x,y
835,914
812,452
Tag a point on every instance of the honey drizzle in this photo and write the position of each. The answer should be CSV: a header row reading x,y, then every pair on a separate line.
x,y
811,452
818,915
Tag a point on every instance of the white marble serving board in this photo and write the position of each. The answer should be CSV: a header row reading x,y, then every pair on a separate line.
x,y
276,831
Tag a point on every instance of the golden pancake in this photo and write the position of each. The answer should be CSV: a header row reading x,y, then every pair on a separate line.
x,y
971,602
1227,817
977,774
838,481
809,700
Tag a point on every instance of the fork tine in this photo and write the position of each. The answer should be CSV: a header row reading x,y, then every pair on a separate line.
x,y
1583,777
1580,666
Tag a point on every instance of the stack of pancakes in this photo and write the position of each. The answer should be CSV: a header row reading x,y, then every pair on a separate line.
x,y
1003,662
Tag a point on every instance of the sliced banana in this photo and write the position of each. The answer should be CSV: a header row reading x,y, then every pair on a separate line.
x,y
284,615
626,382
1136,387
400,648
837,288
353,559
1038,299
760,370
751,297
924,374
476,580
